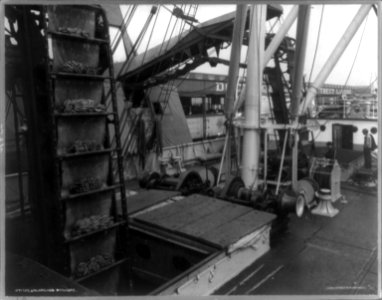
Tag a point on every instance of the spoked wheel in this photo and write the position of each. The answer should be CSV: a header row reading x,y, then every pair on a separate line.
x,y
232,187
153,180
189,182
149,180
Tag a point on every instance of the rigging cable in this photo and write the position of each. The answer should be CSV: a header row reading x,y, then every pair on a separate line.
x,y
277,21
160,49
316,49
138,41
355,57
317,43
150,36
137,118
314,59
123,28
114,41
163,44
169,90
133,125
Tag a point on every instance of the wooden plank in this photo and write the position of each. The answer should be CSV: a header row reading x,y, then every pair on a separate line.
x,y
235,229
166,212
226,213
209,219
192,214
148,198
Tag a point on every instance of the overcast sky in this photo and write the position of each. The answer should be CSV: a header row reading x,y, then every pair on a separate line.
x,y
336,18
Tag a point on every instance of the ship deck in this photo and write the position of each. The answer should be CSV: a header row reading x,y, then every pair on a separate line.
x,y
319,255
316,256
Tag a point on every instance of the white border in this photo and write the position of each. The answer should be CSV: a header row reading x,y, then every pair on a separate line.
x,y
2,123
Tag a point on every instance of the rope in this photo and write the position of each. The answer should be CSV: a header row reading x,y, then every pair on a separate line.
x,y
8,105
137,42
151,34
172,84
317,43
123,27
161,48
169,90
277,21
112,44
355,57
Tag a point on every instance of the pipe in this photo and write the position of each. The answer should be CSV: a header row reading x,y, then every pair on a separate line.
x,y
265,171
334,57
222,161
271,49
281,163
297,83
251,143
237,39
299,61
233,74
281,33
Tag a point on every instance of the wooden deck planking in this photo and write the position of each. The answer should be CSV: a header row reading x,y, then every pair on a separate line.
x,y
225,213
193,214
163,214
212,220
233,230
147,198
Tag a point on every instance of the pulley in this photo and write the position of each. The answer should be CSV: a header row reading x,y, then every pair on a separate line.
x,y
308,187
232,187
186,183
292,202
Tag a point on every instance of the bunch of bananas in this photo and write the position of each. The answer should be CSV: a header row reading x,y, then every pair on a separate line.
x,y
84,146
85,185
76,67
74,31
81,105
92,223
93,265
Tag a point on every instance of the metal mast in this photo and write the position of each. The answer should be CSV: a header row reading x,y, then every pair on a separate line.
x,y
251,142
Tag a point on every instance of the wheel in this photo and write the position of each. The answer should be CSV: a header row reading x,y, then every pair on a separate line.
x,y
308,186
291,202
143,181
215,173
189,181
232,187
152,180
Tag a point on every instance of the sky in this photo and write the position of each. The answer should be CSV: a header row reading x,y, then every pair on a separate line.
x,y
335,20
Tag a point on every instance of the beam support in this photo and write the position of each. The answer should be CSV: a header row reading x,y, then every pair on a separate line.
x,y
237,40
334,57
297,80
271,49
251,142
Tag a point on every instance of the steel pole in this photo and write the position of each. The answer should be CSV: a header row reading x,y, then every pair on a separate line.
x,y
297,81
233,74
251,142
299,62
237,40
281,33
271,49
334,57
